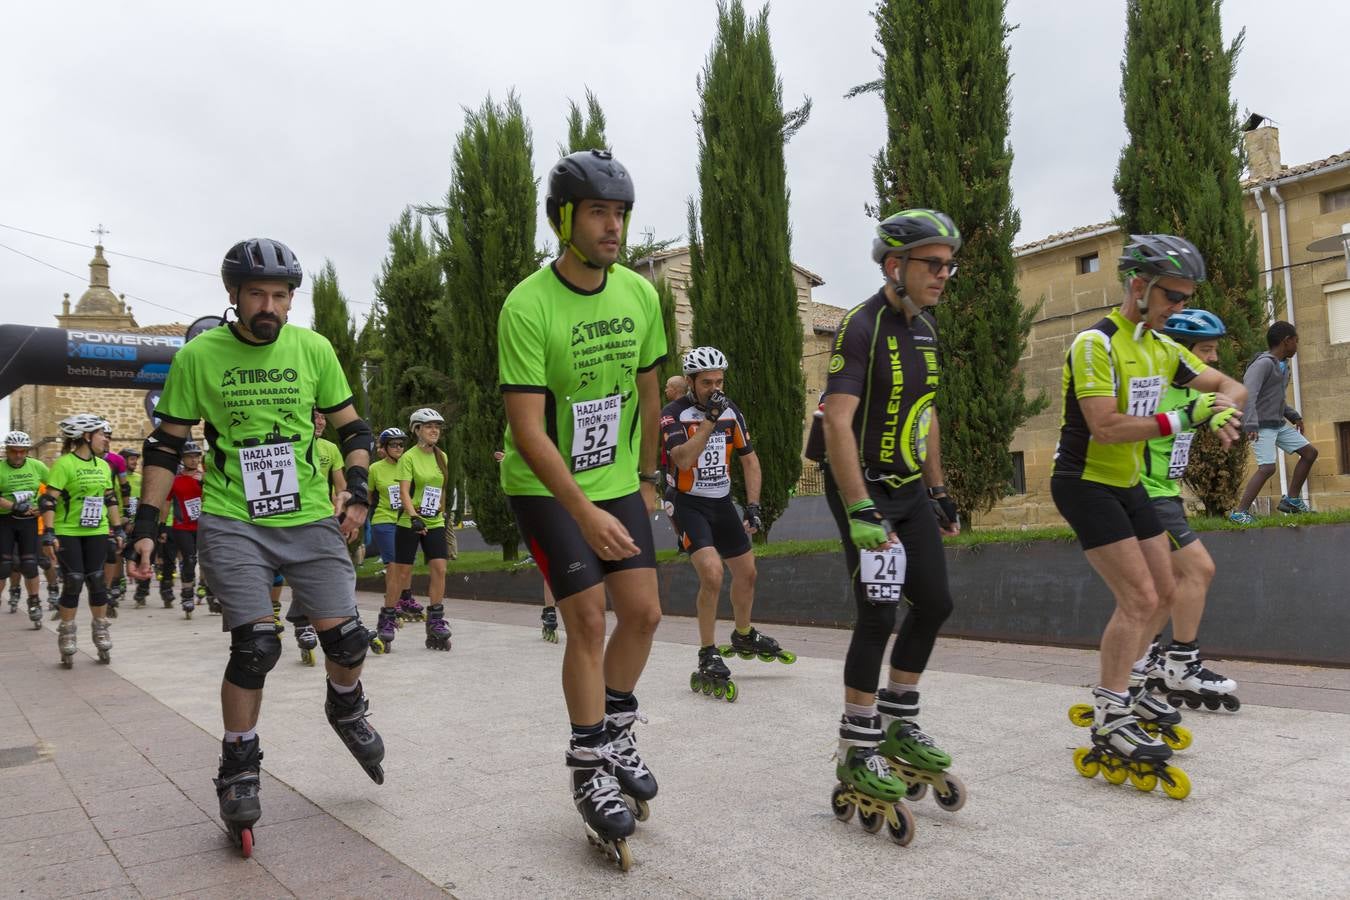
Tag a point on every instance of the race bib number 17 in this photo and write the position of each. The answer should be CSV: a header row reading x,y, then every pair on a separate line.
x,y
270,484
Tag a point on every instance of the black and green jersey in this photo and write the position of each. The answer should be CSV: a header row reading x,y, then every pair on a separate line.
x,y
583,351
891,364
18,484
1108,360
257,400
84,487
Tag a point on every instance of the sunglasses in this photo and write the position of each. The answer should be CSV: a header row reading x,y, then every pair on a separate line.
x,y
1173,296
936,265
394,445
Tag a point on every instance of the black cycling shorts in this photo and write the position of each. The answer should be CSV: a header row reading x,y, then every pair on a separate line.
x,y
1101,514
705,522
567,562
407,541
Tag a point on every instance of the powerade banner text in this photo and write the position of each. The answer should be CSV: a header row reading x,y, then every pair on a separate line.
x,y
105,359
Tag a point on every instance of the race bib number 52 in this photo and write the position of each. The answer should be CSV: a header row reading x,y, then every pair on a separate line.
x,y
595,432
270,484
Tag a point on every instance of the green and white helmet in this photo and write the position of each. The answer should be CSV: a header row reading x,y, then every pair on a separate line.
x,y
912,228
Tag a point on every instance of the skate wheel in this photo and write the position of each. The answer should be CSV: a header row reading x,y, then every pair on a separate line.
x,y
1086,767
246,842
871,821
732,692
1115,774
1192,702
187,614
787,658
719,690
955,796
1178,737
746,655
916,791
1175,784
623,858
726,650
642,810
307,657
376,773
1080,714
843,807
902,829
1231,703
707,688
694,683
1143,780
767,657
1212,703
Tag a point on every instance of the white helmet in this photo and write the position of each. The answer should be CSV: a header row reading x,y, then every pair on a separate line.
x,y
18,439
703,359
425,416
77,426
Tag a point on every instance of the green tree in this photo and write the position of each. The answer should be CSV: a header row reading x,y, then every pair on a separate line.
x,y
585,131
673,364
410,299
332,320
944,84
1180,173
744,296
487,247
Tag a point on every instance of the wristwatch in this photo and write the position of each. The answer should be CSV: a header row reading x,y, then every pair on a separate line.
x,y
937,491
650,477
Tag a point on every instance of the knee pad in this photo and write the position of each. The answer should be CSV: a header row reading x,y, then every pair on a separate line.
x,y
43,562
71,585
28,566
346,644
7,566
254,650
98,588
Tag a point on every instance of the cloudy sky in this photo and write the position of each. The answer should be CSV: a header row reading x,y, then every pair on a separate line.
x,y
184,127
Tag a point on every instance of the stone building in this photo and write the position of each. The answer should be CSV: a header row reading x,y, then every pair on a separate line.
x,y
819,323
1298,213
37,408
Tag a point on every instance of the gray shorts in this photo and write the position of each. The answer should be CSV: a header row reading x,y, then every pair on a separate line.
x,y
241,559
1172,513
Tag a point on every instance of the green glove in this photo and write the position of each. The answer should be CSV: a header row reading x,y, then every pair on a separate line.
x,y
1222,418
1198,410
866,527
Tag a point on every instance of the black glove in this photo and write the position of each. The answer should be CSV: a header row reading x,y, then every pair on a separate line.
x,y
418,525
146,523
22,508
357,485
119,533
717,404
944,509
48,538
753,516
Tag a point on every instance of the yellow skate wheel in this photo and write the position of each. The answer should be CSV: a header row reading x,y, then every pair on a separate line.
x,y
622,856
902,829
695,684
719,690
732,692
1143,779
1178,739
787,658
955,794
1088,768
1115,774
842,805
1080,714
1175,784
707,688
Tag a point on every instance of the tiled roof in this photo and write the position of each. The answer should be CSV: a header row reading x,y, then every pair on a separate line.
x,y
1288,171
1063,236
663,255
828,320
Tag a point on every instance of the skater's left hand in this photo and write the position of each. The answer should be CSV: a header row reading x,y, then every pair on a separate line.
x,y
649,497
353,516
753,519
949,522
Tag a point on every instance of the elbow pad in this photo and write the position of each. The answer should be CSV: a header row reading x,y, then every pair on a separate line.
x,y
355,435
162,449
47,503
110,497
358,485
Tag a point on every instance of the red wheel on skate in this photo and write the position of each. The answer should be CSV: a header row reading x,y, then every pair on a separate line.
x,y
246,842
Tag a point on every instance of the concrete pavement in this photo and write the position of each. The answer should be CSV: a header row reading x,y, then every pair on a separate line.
x,y
105,777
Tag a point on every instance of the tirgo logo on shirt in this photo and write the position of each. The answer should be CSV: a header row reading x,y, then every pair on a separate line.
x,y
237,376
589,331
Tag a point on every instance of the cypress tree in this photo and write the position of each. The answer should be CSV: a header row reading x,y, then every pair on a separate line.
x,y
674,362
744,297
944,85
585,132
1180,173
332,320
487,248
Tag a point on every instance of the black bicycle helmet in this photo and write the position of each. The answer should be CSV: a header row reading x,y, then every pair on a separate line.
x,y
586,175
1157,255
260,259
912,228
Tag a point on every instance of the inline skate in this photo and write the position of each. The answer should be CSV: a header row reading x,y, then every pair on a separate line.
x,y
1157,717
438,629
13,598
35,612
141,593
53,594
237,789
386,627
713,677
408,609
549,619
206,598
912,754
1189,681
605,814
276,617
636,781
65,643
166,592
754,644
188,597
1121,749
307,639
98,630
347,714
866,784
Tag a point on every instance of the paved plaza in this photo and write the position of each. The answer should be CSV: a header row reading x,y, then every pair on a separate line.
x,y
105,777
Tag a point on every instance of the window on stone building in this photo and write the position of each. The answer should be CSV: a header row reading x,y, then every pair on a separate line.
x,y
1089,264
1338,316
1018,484
1343,446
1335,200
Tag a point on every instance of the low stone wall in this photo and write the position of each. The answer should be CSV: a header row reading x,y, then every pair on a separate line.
x,y
1279,594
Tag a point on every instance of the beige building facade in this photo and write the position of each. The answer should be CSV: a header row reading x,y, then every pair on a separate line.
x,y
1298,214
36,409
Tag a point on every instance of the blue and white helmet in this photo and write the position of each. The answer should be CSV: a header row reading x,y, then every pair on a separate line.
x,y
392,434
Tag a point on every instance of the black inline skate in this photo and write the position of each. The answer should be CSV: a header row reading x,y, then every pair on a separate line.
x,y
438,629
307,639
1121,749
713,677
347,714
549,618
14,596
237,789
141,593
596,793
622,761
188,597
754,644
